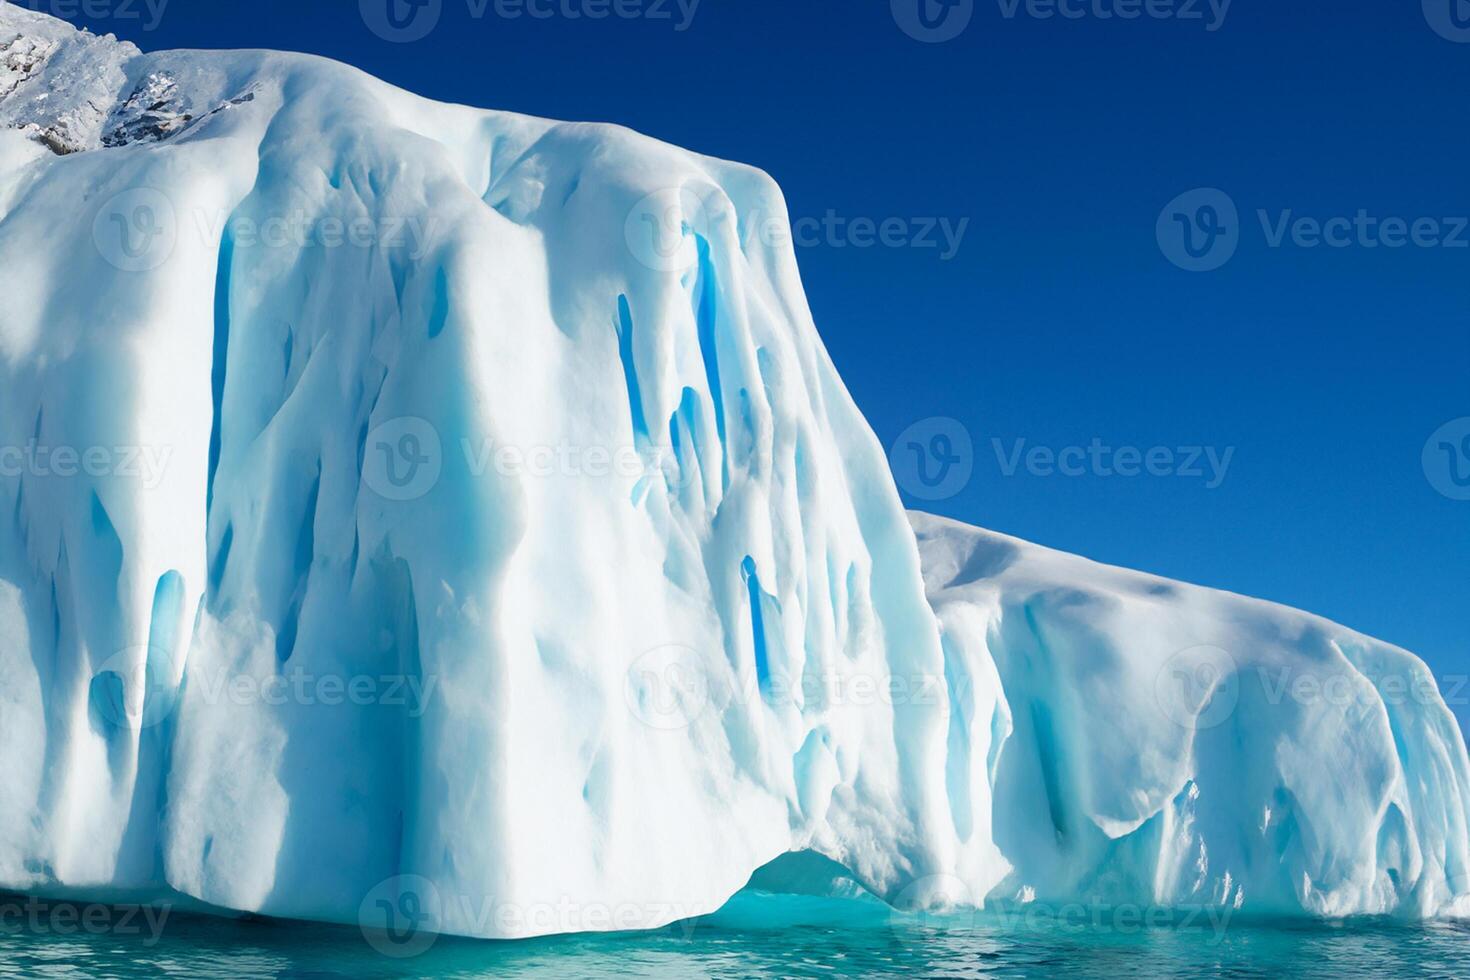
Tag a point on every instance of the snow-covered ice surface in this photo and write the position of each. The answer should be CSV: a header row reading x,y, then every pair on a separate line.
x,y
1177,746
416,507
506,422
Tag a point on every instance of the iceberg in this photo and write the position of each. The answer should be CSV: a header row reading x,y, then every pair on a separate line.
x,y
417,513
415,500
1172,746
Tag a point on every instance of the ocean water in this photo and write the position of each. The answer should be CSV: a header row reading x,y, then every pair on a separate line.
x,y
757,935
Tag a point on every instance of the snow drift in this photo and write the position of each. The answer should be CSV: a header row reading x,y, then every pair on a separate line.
x,y
420,508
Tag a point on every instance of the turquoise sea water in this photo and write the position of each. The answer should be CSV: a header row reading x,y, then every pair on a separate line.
x,y
753,937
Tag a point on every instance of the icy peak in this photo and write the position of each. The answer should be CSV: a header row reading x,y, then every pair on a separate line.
x,y
73,90
58,85
22,57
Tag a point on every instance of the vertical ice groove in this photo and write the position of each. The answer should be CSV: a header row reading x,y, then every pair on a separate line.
x,y
757,598
707,314
626,353
221,353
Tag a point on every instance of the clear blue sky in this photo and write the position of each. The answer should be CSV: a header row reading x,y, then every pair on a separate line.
x,y
1060,320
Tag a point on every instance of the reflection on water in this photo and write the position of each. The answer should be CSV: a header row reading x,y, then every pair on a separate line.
x,y
756,935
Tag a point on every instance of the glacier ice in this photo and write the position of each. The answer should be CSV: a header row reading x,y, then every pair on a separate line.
x,y
1170,745
406,498
638,466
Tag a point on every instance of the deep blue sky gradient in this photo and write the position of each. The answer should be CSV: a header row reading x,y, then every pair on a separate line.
x,y
1060,320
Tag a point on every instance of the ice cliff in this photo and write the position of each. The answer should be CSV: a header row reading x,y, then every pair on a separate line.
x,y
401,499
1171,745
509,423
